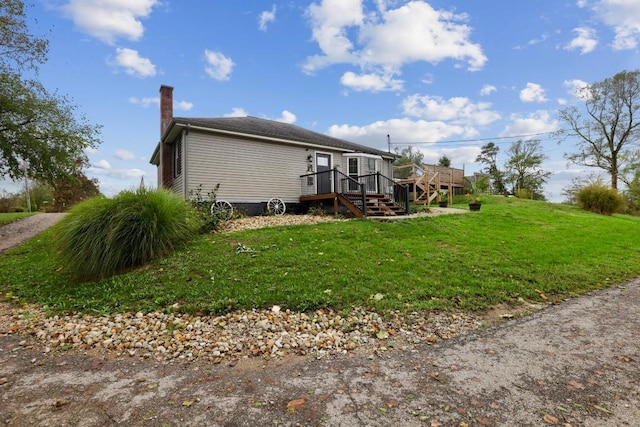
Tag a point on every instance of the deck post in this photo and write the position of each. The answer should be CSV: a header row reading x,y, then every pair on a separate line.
x,y
406,199
363,194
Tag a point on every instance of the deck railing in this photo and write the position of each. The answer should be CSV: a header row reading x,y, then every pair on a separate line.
x,y
334,181
354,190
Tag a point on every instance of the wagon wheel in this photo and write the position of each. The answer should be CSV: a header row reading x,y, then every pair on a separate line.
x,y
276,206
222,208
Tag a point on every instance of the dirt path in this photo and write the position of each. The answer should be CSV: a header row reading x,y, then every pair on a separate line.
x,y
576,364
16,232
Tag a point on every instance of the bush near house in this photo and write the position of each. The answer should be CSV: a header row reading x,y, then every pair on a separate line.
x,y
102,236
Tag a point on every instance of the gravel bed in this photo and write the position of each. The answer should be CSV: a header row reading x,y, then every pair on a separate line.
x,y
255,222
257,333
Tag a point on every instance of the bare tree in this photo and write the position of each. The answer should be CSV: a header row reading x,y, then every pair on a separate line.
x,y
608,127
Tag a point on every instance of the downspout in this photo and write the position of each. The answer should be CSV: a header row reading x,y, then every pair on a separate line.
x,y
185,162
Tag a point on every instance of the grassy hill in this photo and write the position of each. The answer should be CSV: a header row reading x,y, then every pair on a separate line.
x,y
510,252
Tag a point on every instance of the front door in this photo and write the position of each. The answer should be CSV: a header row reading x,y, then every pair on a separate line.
x,y
323,168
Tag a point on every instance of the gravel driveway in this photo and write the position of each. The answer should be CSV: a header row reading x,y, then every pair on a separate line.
x,y
16,232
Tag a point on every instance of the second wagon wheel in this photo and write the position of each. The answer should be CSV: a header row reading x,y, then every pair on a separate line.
x,y
222,208
276,206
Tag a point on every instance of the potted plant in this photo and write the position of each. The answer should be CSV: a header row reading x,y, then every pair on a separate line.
x,y
443,198
476,187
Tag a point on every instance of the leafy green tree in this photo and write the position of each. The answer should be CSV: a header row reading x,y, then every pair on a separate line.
x,y
607,130
489,156
444,161
408,155
632,194
38,127
523,168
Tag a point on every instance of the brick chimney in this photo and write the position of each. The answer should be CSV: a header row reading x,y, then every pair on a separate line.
x,y
165,171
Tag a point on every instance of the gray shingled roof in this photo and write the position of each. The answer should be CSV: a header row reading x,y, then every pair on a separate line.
x,y
273,129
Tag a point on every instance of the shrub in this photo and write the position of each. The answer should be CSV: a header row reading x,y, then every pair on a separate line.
x,y
600,199
209,219
523,193
101,237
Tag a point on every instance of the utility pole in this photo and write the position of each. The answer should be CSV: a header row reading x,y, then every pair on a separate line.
x,y
389,142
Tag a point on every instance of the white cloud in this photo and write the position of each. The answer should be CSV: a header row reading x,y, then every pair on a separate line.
x,y
487,90
123,154
102,164
108,20
287,117
370,82
576,88
116,173
133,63
533,93
266,17
237,112
144,102
534,123
458,110
624,17
218,67
459,156
382,41
585,40
182,105
400,130
148,101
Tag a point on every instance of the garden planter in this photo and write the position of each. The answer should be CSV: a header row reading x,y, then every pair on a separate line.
x,y
474,206
443,204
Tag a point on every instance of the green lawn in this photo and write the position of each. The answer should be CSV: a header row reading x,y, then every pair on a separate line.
x,y
510,251
6,218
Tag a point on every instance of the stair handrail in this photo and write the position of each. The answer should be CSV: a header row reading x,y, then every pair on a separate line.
x,y
377,183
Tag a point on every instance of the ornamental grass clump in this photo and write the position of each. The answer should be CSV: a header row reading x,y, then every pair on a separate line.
x,y
600,199
101,236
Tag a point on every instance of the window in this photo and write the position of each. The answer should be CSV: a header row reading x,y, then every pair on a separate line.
x,y
177,158
371,166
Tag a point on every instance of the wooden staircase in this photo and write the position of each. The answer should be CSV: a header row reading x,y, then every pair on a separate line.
x,y
379,205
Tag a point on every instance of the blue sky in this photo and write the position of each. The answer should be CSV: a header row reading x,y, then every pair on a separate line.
x,y
445,76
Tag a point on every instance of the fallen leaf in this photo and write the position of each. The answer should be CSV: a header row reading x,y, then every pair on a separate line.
x,y
436,423
61,402
295,405
550,419
600,408
188,403
382,335
3,380
574,385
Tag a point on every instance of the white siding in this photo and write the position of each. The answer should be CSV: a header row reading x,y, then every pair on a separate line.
x,y
248,171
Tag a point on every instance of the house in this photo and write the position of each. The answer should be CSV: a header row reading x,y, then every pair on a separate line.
x,y
256,160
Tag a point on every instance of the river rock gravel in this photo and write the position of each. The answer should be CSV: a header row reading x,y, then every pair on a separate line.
x,y
257,333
